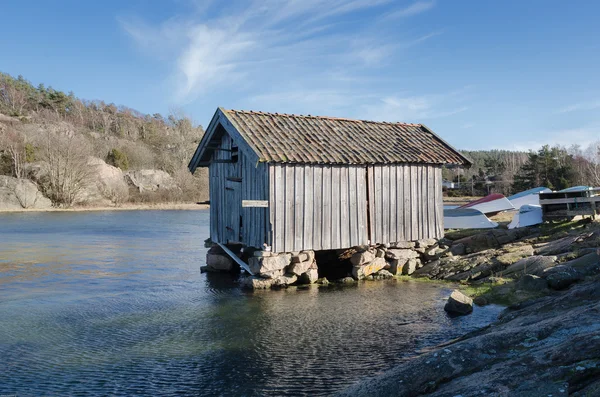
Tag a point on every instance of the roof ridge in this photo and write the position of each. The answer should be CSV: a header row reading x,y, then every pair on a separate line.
x,y
254,112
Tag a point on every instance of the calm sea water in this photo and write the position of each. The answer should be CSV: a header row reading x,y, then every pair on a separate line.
x,y
113,303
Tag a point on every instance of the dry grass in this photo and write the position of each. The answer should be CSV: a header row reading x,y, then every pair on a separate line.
x,y
504,218
460,200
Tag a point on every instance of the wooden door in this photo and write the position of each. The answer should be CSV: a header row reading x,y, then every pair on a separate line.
x,y
233,209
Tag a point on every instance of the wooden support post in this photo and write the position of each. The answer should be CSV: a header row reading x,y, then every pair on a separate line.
x,y
233,256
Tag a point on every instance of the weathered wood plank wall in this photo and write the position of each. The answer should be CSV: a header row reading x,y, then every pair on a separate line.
x,y
405,202
317,206
321,206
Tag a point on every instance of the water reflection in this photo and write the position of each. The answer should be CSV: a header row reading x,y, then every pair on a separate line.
x,y
114,303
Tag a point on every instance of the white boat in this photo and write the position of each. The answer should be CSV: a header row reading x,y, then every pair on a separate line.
x,y
528,197
575,189
491,204
466,218
528,215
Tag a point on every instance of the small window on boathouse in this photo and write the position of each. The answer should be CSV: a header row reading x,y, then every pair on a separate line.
x,y
234,152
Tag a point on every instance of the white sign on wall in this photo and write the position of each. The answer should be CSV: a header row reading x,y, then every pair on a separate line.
x,y
255,203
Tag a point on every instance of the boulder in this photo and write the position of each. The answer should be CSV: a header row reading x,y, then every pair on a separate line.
x,y
459,303
360,258
310,254
532,265
380,253
426,243
586,265
220,262
300,267
272,274
346,280
396,266
458,268
16,194
151,180
410,267
434,253
514,254
254,282
309,277
394,253
382,275
458,249
562,276
268,264
109,184
491,239
285,280
403,245
559,246
300,257
529,282
360,272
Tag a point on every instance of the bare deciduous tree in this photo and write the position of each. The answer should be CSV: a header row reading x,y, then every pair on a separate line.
x,y
67,170
12,95
12,143
593,156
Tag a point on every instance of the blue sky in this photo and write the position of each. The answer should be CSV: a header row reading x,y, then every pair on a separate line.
x,y
482,74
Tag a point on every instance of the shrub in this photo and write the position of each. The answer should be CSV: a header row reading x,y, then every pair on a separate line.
x,y
118,159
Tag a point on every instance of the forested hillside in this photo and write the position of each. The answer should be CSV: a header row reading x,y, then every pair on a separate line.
x,y
509,172
57,139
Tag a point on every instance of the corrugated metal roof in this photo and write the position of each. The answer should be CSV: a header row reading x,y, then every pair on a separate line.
x,y
289,138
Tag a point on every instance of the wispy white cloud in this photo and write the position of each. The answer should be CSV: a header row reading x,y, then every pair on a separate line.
x,y
416,108
212,56
582,106
258,46
414,9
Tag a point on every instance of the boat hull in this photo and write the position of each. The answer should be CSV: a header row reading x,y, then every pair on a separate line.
x,y
492,204
528,215
467,218
528,197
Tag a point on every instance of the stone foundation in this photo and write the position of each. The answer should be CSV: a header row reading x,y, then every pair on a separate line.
x,y
281,270
218,261
378,262
270,270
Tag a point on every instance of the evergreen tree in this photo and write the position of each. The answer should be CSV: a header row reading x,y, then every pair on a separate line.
x,y
551,167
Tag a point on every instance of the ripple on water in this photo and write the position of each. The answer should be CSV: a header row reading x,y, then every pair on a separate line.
x,y
84,310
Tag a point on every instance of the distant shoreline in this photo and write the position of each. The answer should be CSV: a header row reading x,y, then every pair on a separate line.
x,y
123,207
171,206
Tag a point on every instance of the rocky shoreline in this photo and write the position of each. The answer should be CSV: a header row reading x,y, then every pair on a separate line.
x,y
547,341
545,347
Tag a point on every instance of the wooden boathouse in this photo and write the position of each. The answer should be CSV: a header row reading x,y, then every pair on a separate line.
x,y
293,183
